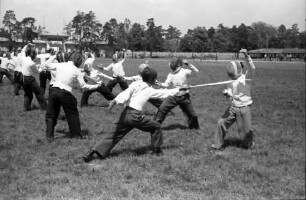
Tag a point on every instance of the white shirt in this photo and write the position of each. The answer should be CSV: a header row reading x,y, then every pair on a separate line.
x,y
89,61
28,66
17,62
66,74
139,92
117,68
7,64
240,90
179,78
96,76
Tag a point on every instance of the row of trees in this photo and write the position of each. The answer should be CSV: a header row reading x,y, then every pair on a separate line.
x,y
87,30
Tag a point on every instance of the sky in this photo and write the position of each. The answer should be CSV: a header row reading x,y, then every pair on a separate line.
x,y
182,14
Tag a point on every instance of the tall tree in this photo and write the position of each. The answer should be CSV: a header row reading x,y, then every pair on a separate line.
x,y
109,31
86,29
153,36
136,37
264,33
122,33
9,23
9,20
172,39
293,36
29,35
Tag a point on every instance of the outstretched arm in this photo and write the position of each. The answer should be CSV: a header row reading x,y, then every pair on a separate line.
x,y
192,67
249,74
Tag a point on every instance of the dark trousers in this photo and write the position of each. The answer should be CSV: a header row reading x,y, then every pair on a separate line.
x,y
43,77
101,89
30,86
18,81
6,73
57,98
155,102
186,106
129,119
112,83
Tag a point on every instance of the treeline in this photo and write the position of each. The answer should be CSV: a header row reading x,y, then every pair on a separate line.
x,y
88,30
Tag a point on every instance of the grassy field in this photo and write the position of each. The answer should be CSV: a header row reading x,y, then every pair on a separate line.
x,y
31,168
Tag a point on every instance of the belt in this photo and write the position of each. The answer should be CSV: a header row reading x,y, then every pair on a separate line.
x,y
241,106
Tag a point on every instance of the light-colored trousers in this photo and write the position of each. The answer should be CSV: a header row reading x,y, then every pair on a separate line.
x,y
240,115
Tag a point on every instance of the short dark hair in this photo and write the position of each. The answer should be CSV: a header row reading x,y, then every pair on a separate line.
x,y
175,63
76,57
149,75
32,53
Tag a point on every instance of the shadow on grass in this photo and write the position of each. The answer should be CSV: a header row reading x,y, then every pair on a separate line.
x,y
174,126
139,151
67,134
235,142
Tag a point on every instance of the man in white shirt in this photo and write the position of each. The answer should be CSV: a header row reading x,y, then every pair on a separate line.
x,y
30,85
118,72
60,94
177,78
134,98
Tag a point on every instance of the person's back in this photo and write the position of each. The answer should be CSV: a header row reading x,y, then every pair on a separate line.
x,y
65,73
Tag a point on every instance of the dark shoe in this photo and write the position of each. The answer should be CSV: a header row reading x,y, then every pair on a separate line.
x,y
50,139
89,156
81,137
157,152
249,145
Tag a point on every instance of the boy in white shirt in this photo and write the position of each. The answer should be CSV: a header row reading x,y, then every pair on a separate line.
x,y
134,98
156,102
239,111
178,78
118,72
94,75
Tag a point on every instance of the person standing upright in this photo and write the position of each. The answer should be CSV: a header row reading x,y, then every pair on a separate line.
x,y
60,94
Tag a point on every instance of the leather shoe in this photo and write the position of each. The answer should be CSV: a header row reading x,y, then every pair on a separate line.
x,y
157,152
89,156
